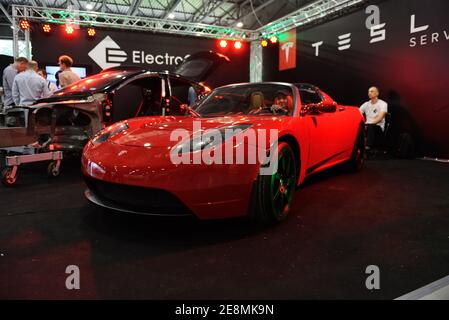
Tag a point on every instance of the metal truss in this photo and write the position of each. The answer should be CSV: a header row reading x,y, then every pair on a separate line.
x,y
256,62
126,22
317,10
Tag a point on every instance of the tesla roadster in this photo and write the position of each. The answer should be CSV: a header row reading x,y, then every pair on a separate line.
x,y
189,164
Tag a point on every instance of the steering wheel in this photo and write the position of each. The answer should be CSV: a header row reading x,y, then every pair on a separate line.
x,y
277,108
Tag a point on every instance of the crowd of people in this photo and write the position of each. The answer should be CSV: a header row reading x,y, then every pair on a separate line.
x,y
24,83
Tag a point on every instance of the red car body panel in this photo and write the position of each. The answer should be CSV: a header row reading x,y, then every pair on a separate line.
x,y
217,190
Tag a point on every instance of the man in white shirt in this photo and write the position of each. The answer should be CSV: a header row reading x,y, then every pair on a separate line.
x,y
375,110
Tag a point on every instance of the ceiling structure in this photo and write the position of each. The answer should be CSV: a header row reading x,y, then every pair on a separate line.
x,y
226,13
245,19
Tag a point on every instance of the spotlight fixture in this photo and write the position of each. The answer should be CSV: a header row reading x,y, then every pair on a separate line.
x,y
238,45
264,43
91,32
24,24
69,29
274,39
46,27
223,43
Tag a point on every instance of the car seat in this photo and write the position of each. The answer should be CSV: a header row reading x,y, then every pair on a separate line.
x,y
257,101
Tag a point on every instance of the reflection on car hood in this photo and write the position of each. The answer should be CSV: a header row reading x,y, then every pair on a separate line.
x,y
161,131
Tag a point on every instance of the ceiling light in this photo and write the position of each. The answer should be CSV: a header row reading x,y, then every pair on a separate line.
x,y
239,24
24,24
89,6
223,43
46,27
171,16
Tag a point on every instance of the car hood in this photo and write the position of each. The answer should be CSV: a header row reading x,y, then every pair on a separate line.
x,y
168,131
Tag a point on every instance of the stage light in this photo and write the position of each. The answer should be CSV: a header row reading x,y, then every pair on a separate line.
x,y
223,43
274,39
239,24
46,27
24,24
89,6
69,29
171,16
264,43
91,32
238,45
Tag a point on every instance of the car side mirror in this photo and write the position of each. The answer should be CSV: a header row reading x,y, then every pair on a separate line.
x,y
310,109
328,107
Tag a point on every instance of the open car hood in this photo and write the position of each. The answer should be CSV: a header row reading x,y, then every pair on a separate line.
x,y
65,97
198,66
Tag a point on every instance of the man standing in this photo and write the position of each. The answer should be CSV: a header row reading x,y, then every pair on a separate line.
x,y
29,86
9,74
375,112
67,76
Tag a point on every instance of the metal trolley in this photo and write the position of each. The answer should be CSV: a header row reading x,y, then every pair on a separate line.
x,y
13,155
10,172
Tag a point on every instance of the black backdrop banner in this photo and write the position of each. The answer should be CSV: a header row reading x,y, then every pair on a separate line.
x,y
154,51
405,55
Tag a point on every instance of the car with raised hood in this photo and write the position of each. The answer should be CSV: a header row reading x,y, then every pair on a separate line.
x,y
133,165
74,114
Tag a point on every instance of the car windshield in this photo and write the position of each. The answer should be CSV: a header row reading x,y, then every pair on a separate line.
x,y
251,99
96,82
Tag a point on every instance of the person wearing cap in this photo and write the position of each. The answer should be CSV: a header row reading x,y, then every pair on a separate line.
x,y
281,102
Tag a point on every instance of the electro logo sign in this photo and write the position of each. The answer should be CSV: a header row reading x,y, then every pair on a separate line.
x,y
108,54
378,32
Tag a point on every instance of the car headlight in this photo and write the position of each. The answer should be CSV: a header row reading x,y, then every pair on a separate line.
x,y
210,138
109,132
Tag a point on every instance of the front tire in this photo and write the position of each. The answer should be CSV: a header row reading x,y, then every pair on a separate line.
x,y
273,194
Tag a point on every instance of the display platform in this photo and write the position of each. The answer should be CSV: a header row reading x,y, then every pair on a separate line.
x,y
393,215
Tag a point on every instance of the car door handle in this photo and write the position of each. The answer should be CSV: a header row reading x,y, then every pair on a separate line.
x,y
341,109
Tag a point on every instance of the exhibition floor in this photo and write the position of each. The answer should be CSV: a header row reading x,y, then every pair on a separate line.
x,y
394,214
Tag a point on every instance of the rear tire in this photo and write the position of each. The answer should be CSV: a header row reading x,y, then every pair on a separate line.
x,y
358,157
273,194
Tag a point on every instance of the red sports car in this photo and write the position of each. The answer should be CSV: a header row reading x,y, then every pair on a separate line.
x,y
192,164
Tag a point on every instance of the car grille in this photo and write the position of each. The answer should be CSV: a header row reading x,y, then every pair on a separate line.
x,y
139,199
